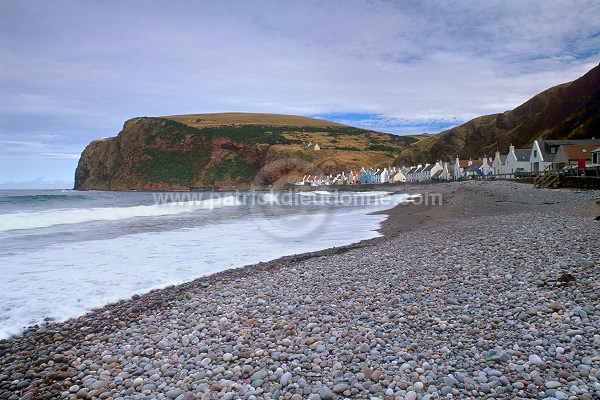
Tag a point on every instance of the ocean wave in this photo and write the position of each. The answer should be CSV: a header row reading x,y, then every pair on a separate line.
x,y
39,198
46,219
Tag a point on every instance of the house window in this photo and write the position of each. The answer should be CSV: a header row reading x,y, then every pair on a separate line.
x,y
535,153
552,150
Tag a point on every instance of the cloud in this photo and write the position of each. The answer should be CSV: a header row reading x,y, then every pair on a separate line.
x,y
80,69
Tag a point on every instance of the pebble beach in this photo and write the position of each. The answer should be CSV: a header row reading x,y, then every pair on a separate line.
x,y
492,294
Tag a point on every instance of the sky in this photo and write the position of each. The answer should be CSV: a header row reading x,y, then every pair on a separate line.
x,y
73,71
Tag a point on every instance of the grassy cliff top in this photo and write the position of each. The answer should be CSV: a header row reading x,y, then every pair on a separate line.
x,y
238,118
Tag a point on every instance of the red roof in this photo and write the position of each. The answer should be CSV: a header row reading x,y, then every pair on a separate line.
x,y
577,151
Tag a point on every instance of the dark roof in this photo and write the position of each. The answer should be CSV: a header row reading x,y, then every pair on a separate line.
x,y
546,146
596,151
420,169
522,154
561,142
412,170
547,156
429,167
473,167
503,159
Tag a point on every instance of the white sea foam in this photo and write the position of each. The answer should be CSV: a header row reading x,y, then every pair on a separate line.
x,y
66,280
63,279
373,193
45,219
324,192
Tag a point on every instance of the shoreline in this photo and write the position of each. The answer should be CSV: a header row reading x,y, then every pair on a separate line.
x,y
463,204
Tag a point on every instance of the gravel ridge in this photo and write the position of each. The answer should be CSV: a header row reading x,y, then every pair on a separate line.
x,y
492,294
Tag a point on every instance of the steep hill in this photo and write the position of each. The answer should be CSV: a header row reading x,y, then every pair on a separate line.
x,y
567,111
229,149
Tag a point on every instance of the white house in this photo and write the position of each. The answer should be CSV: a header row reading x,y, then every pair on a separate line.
x,y
445,172
541,156
315,180
596,157
413,173
473,168
312,146
385,174
340,179
420,173
430,171
499,163
459,167
485,168
517,160
543,152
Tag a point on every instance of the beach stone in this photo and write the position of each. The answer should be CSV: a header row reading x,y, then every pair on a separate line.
x,y
340,387
138,382
410,395
262,374
536,360
325,393
286,379
560,395
376,375
497,355
452,301
552,384
174,393
377,322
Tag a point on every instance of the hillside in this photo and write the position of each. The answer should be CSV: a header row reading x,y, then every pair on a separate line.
x,y
567,111
229,149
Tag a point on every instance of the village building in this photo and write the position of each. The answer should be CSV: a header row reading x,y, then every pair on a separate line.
x,y
543,152
385,175
312,146
410,173
445,173
353,178
430,171
397,177
517,161
596,157
459,168
485,169
574,154
499,163
473,169
377,176
367,175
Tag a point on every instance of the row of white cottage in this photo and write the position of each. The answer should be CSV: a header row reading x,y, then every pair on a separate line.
x,y
543,154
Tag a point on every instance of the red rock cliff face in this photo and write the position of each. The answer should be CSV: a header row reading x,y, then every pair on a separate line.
x,y
160,154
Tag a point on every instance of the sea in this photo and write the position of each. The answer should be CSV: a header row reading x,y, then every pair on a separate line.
x,y
64,252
